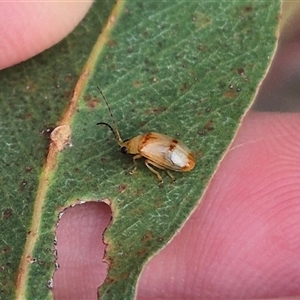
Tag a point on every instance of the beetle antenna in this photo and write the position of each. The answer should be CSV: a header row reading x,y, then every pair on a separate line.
x,y
120,142
114,130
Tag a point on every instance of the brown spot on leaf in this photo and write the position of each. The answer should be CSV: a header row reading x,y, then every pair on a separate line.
x,y
28,169
91,102
156,110
122,188
201,47
112,43
247,9
130,49
198,153
209,125
136,83
148,236
230,94
201,19
6,249
31,87
142,252
184,87
109,279
22,185
124,275
7,214
27,116
145,34
68,93
69,78
241,71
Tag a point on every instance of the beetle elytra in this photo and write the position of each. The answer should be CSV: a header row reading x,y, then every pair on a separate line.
x,y
159,150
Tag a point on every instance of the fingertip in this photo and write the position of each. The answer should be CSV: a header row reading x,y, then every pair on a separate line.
x,y
28,28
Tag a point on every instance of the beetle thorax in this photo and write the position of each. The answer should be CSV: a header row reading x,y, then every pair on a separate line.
x,y
132,145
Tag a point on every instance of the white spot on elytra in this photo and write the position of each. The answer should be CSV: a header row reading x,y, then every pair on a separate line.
x,y
178,158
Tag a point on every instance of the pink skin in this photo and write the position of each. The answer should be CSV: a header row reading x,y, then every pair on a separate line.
x,y
242,241
28,28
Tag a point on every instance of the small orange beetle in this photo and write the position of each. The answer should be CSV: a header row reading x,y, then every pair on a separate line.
x,y
160,151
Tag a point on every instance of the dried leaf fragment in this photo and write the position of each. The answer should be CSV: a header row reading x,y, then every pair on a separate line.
x,y
61,137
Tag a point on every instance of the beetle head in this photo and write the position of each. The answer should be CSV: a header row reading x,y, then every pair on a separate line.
x,y
125,146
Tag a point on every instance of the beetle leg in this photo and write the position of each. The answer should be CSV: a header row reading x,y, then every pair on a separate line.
x,y
134,163
148,163
170,175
